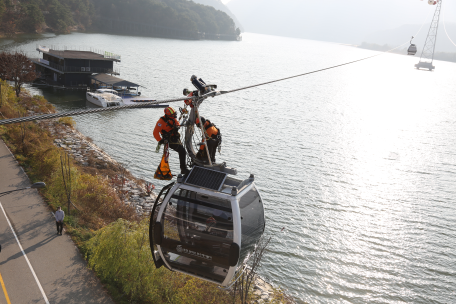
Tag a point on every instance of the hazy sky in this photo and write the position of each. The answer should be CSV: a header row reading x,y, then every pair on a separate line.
x,y
347,21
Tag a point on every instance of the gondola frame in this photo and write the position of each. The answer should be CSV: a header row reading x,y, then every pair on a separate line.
x,y
234,198
412,50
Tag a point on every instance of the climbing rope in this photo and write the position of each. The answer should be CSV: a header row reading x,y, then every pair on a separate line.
x,y
144,104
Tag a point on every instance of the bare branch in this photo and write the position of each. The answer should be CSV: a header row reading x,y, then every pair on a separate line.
x,y
17,68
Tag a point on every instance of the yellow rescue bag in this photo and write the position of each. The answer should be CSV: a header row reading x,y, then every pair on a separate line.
x,y
163,171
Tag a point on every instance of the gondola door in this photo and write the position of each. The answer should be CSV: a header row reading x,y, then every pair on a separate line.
x,y
194,235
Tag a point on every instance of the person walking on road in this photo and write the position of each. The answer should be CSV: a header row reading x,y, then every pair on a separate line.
x,y
59,216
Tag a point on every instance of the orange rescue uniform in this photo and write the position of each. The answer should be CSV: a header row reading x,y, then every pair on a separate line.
x,y
164,125
211,131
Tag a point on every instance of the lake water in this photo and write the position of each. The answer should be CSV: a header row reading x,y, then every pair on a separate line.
x,y
357,163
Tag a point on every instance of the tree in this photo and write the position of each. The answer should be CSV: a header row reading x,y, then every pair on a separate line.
x,y
9,19
246,278
59,17
2,9
34,20
16,68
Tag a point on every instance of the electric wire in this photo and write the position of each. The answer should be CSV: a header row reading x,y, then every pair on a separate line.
x,y
158,102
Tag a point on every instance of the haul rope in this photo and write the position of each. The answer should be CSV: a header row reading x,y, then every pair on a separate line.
x,y
444,26
88,111
316,71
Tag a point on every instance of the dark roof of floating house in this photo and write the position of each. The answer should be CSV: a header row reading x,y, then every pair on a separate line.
x,y
78,55
113,81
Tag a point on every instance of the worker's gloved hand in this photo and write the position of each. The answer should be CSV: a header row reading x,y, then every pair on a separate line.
x,y
162,141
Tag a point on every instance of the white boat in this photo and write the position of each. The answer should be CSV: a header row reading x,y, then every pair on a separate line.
x,y
104,98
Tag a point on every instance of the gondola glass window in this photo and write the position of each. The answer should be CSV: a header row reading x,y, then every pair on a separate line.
x,y
198,233
252,221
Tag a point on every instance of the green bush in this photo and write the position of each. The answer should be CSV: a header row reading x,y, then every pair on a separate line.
x,y
120,254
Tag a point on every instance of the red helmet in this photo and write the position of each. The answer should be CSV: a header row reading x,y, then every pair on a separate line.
x,y
169,111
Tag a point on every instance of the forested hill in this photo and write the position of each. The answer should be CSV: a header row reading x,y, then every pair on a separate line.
x,y
62,16
218,5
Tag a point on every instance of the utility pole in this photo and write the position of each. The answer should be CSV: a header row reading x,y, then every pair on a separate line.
x,y
427,55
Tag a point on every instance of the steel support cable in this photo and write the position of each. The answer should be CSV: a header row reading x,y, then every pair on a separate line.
x,y
89,111
336,66
444,26
312,72
144,104
421,27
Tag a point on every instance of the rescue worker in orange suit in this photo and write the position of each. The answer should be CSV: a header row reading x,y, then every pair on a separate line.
x,y
213,137
167,129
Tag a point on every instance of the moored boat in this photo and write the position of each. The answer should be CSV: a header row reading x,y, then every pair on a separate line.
x,y
104,98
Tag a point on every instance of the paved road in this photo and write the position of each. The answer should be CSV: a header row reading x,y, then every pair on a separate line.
x,y
52,270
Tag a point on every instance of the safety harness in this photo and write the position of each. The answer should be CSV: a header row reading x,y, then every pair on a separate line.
x,y
173,136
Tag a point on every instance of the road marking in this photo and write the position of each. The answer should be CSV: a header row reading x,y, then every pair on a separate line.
x,y
26,258
4,290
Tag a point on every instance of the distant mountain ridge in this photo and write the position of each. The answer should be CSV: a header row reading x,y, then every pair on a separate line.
x,y
158,18
348,22
218,5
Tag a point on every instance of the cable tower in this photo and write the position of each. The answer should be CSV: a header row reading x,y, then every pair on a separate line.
x,y
427,55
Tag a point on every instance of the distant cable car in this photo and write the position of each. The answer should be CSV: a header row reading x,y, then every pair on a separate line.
x,y
412,48
432,2
206,225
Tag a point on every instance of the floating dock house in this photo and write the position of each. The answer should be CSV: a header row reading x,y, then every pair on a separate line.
x,y
123,87
72,68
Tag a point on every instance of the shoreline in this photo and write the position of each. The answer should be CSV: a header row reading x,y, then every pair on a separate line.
x,y
132,190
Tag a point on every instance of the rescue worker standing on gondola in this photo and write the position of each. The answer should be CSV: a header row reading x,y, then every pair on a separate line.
x,y
167,129
212,135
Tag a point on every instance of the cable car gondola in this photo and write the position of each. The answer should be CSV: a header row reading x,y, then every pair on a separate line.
x,y
207,222
412,48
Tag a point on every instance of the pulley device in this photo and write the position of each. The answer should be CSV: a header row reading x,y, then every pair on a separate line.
x,y
205,224
412,48
196,99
